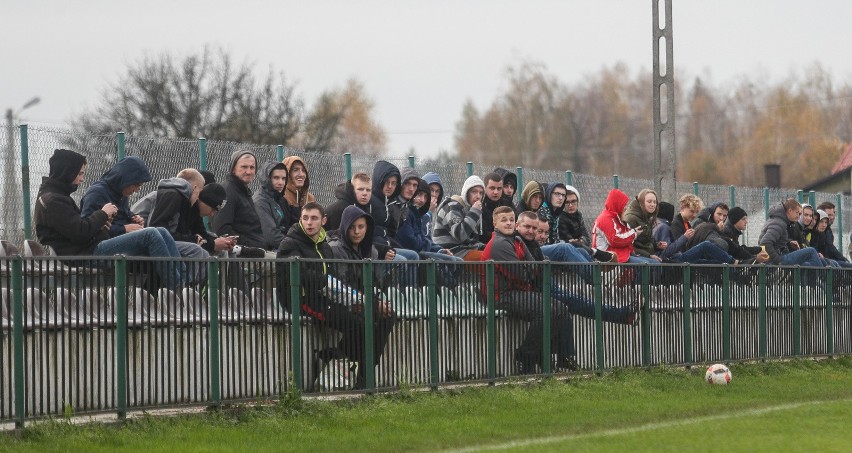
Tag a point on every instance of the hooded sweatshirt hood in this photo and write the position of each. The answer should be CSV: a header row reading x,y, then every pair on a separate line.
x,y
549,192
422,187
65,165
349,216
532,188
235,156
434,178
508,177
294,196
407,173
183,186
573,189
469,183
706,214
128,171
383,171
616,202
265,175
802,216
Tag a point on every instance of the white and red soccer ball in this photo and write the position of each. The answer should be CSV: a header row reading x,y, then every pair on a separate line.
x,y
718,374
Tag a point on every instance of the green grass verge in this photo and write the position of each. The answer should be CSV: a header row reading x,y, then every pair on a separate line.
x,y
579,414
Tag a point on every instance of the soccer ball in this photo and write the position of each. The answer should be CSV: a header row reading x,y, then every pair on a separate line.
x,y
718,374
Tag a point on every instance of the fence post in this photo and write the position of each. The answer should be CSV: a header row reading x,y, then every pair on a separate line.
x,y
800,196
279,153
18,340
726,313
761,312
347,160
296,323
569,177
202,153
547,318
491,329
797,311
599,338
213,301
120,149
839,217
411,161
646,316
432,295
520,173
369,322
615,181
121,334
695,188
469,169
687,315
733,190
25,180
766,203
812,199
829,312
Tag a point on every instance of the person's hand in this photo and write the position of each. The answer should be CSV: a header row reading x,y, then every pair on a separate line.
x,y
656,258
224,243
384,308
662,245
137,219
720,226
390,254
107,226
638,229
132,227
446,252
477,204
794,245
110,210
762,257
689,233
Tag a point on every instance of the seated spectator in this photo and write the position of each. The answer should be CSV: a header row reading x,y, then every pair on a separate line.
x,y
554,203
492,199
797,231
663,237
819,241
774,237
146,204
611,234
297,191
710,230
116,186
272,209
60,226
436,188
386,188
531,198
510,184
457,224
516,292
307,239
398,208
239,217
642,211
356,192
689,207
572,226
830,248
734,228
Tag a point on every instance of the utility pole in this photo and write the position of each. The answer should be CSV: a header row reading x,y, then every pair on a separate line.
x,y
665,157
12,199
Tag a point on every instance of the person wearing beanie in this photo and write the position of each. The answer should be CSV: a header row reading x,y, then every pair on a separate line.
x,y
177,209
60,225
272,208
734,228
238,217
116,186
457,222
209,177
531,198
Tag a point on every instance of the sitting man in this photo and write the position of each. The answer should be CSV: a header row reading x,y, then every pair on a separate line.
x,y
307,239
457,223
238,217
516,291
356,192
116,186
272,208
774,238
59,225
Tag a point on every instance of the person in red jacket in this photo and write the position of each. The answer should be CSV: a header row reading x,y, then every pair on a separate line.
x,y
612,234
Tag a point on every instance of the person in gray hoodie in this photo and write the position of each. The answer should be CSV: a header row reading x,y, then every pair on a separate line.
x,y
271,206
238,217
457,225
436,191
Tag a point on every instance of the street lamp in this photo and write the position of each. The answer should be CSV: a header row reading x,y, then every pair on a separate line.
x,y
11,197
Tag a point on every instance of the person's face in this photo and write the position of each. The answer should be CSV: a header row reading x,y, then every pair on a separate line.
x,y
720,215
823,224
408,189
742,224
474,194
807,216
572,203
535,202
312,221
363,191
508,190
205,209
794,214
80,174
298,174
494,190
279,179
130,190
557,197
542,232
419,199
528,228
357,231
830,213
435,192
688,214
245,169
389,187
649,204
505,222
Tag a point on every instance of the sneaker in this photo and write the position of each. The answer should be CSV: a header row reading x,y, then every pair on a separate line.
x,y
251,252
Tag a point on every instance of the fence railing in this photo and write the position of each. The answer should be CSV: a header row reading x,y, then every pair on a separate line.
x,y
89,336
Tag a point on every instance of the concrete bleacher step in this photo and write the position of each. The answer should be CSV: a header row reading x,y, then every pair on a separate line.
x,y
196,305
270,309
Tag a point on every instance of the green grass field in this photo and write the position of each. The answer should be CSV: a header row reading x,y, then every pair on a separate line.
x,y
768,407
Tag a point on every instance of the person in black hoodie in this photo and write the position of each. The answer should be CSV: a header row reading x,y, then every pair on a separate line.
x,y
272,208
356,192
492,199
238,217
307,239
554,203
510,184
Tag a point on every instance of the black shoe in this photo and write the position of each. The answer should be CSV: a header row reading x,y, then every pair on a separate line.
x,y
252,252
604,257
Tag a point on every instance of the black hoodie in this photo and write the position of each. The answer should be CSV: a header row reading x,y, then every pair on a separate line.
x,y
345,194
272,209
379,203
239,217
341,245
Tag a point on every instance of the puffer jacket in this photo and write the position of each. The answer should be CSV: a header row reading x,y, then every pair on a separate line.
x,y
610,233
272,209
174,212
58,222
313,275
636,216
345,197
127,172
774,233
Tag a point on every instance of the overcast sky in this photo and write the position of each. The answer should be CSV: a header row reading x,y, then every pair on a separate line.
x,y
418,60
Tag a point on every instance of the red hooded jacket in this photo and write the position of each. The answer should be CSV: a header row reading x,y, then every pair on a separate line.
x,y
610,233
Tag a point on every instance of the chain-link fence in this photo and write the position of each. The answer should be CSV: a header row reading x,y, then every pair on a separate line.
x,y
165,157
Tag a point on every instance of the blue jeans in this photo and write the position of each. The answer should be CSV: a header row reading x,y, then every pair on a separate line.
x,y
581,306
448,273
402,273
807,256
704,253
564,252
154,242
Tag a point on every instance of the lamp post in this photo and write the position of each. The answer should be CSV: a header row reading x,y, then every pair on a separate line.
x,y
12,199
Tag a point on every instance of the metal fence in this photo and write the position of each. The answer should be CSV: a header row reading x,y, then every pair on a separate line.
x,y
81,336
165,157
